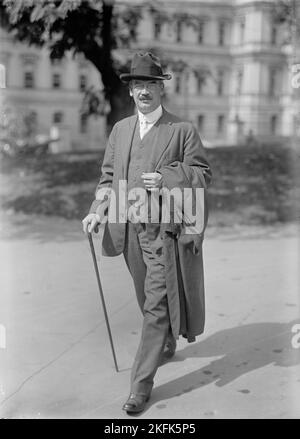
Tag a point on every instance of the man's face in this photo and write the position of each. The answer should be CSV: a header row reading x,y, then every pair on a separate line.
x,y
146,94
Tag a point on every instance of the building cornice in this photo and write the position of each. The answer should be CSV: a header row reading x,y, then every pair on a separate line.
x,y
29,58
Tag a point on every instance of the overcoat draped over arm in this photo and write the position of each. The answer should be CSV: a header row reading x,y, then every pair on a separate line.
x,y
183,242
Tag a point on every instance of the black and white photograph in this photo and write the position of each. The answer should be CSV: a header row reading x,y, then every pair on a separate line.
x,y
149,212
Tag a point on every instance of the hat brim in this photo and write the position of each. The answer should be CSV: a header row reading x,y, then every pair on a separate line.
x,y
126,77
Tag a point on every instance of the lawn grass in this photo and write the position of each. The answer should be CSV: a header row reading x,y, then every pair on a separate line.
x,y
251,185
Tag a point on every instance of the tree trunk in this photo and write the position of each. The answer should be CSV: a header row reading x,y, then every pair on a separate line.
x,y
116,92
121,105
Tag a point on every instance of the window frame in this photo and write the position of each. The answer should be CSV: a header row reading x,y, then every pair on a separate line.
x,y
61,118
31,83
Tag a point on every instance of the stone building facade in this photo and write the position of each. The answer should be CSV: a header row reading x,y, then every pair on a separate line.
x,y
51,93
232,74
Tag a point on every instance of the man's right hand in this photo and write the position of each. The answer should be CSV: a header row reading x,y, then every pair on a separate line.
x,y
91,222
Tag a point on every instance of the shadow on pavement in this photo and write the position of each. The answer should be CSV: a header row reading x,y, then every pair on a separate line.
x,y
242,350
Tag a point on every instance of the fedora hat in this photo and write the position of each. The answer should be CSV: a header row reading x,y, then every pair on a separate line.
x,y
145,66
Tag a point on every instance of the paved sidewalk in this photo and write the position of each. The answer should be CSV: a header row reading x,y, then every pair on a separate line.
x,y
58,364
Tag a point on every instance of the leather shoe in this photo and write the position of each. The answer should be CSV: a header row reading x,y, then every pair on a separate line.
x,y
170,347
135,403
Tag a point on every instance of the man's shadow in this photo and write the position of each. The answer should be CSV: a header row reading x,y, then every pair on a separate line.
x,y
241,350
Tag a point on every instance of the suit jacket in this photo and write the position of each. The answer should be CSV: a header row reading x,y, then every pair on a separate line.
x,y
180,157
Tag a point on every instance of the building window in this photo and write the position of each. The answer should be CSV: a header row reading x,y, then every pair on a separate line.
x,y
200,83
242,30
56,80
178,31
274,34
157,28
273,124
221,33
220,124
239,81
220,83
82,82
201,32
31,123
272,82
29,79
83,123
58,117
177,84
200,122
34,118
201,76
2,76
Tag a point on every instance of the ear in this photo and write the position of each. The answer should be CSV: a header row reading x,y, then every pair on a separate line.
x,y
130,88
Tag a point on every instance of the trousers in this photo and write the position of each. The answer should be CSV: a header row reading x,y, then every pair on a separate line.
x,y
144,257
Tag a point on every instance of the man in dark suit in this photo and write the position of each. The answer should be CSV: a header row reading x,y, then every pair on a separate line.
x,y
152,153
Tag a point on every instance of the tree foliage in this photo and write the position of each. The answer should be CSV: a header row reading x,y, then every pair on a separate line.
x,y
96,28
91,27
286,13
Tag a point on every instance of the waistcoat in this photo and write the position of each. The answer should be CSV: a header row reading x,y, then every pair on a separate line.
x,y
140,155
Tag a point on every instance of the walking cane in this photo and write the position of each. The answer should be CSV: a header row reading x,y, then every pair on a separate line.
x,y
102,297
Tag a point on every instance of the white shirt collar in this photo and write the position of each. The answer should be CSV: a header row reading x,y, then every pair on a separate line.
x,y
152,117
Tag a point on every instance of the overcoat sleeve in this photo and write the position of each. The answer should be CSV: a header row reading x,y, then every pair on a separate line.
x,y
193,172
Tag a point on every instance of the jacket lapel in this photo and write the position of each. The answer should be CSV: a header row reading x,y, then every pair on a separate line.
x,y
126,142
164,135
